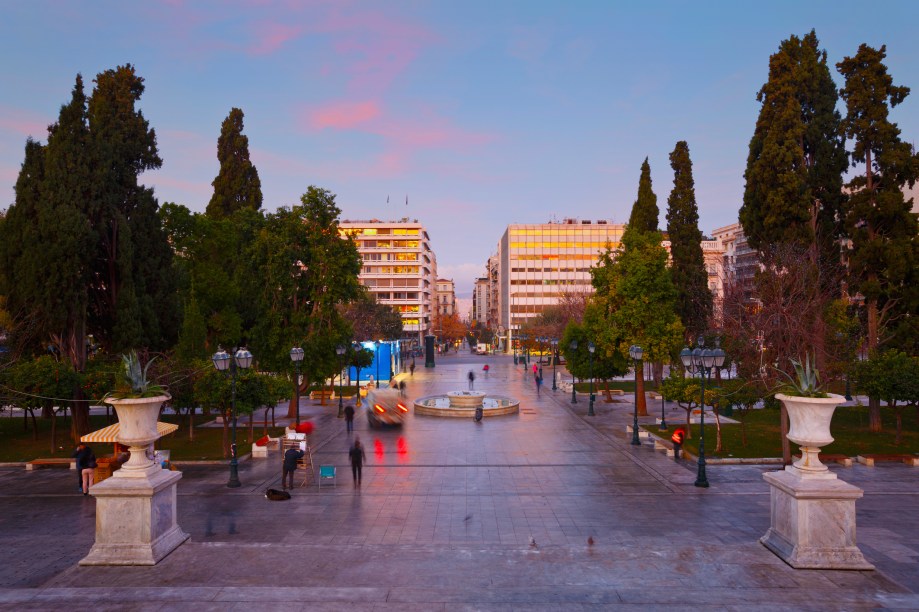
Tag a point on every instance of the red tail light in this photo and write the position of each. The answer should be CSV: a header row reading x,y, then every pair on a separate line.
x,y
379,408
402,407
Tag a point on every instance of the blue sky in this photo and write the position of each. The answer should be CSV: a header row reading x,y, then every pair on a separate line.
x,y
480,113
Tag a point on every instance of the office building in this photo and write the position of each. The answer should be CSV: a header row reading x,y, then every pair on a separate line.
x,y
399,269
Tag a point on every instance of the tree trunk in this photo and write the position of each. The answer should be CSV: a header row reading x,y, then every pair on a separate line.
x,y
874,404
609,396
191,423
718,448
640,392
688,421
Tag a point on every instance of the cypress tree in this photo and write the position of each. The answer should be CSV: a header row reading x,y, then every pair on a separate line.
x,y
644,211
133,303
884,254
796,155
237,184
694,300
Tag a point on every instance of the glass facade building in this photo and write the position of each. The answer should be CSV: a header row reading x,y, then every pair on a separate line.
x,y
539,263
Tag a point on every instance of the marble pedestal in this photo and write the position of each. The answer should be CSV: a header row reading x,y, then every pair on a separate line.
x,y
135,518
813,521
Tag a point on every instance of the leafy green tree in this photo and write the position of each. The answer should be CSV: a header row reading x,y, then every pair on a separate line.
x,y
891,376
694,300
237,184
607,362
636,302
644,211
797,156
193,336
301,271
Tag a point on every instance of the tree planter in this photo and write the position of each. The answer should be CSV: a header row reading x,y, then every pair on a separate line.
x,y
137,418
809,427
812,513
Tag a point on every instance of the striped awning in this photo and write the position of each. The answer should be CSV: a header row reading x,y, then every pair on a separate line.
x,y
110,434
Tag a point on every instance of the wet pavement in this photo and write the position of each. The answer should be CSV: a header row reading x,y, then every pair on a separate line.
x,y
546,509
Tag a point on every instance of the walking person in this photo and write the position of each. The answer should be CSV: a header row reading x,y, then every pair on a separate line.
x,y
411,368
349,418
471,378
291,457
538,379
357,456
401,388
86,465
485,367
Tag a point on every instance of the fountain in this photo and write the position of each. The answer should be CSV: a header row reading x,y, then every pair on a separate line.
x,y
464,404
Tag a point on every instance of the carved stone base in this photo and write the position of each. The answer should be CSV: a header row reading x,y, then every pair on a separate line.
x,y
135,518
813,521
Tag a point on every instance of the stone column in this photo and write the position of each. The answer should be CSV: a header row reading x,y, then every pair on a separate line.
x,y
813,520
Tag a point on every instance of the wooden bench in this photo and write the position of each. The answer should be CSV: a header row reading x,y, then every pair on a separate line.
x,y
325,394
869,460
37,464
654,395
616,392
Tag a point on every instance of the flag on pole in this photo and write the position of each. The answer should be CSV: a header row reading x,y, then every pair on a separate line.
x,y
387,199
406,200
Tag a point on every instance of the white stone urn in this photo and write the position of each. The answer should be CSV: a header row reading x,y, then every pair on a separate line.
x,y
137,419
809,427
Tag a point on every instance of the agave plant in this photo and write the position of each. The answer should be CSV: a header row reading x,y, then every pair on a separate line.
x,y
808,379
132,380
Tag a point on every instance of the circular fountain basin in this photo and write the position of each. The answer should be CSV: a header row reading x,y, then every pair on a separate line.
x,y
447,406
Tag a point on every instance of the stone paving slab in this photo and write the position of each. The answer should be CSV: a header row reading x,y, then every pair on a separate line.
x,y
444,521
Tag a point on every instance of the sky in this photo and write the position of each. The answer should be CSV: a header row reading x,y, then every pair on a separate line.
x,y
467,116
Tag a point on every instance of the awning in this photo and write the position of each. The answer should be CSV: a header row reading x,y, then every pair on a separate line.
x,y
110,434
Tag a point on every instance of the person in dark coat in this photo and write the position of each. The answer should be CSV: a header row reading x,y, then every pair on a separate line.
x,y
357,456
85,458
349,418
291,457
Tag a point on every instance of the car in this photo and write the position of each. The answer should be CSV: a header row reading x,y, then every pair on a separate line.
x,y
386,408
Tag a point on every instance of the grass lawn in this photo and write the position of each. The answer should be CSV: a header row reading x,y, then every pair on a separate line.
x,y
599,387
17,445
849,429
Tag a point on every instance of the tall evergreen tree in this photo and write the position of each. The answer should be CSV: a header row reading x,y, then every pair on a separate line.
x,y
796,157
237,184
884,255
644,211
694,300
133,299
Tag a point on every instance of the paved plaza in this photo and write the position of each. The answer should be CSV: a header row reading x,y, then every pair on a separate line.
x,y
549,509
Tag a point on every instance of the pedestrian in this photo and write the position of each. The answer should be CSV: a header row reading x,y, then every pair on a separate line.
x,y
485,367
86,465
471,378
411,368
291,457
356,453
402,388
534,369
349,418
538,383
370,381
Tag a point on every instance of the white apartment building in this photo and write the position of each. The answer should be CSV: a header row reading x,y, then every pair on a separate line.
x,y
445,297
399,269
480,300
537,263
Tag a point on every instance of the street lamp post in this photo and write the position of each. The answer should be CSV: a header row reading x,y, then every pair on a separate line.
x,y
515,342
376,358
574,396
554,362
590,359
702,360
296,355
242,359
340,351
358,347
635,352
663,419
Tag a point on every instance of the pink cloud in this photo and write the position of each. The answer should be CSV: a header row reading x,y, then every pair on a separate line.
x,y
269,37
343,115
23,122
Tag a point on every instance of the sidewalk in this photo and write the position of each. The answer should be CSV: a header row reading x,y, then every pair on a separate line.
x,y
456,515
